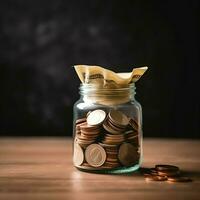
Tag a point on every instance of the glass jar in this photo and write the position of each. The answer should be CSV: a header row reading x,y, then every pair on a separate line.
x,y
107,130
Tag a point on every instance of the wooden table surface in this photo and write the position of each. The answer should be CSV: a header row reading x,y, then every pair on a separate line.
x,y
41,168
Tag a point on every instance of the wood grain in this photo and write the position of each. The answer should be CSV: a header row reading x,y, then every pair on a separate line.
x,y
41,168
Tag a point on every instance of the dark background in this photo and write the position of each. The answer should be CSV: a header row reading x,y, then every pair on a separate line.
x,y
41,40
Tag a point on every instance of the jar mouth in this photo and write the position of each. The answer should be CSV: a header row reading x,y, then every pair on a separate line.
x,y
107,96
88,88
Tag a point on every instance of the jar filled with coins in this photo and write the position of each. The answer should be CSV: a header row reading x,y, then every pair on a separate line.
x,y
107,129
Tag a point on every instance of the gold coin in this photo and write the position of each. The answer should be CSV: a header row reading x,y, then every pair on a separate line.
x,y
78,157
95,155
128,154
96,117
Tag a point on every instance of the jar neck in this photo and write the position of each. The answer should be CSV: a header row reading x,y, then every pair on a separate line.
x,y
107,96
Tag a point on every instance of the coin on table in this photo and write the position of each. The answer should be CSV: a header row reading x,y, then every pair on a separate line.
x,y
95,155
128,154
179,179
155,178
166,168
96,117
118,118
153,172
168,173
78,157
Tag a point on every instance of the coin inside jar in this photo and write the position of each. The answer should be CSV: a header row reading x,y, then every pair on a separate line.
x,y
78,157
118,118
95,155
107,140
96,117
81,120
128,154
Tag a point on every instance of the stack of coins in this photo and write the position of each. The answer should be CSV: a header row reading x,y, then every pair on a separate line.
x,y
89,129
132,136
169,173
106,140
78,124
113,139
112,156
133,124
116,122
88,134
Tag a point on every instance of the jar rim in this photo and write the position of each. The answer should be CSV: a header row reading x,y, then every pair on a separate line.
x,y
90,87
107,96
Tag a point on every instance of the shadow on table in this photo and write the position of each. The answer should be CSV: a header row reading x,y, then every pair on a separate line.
x,y
192,174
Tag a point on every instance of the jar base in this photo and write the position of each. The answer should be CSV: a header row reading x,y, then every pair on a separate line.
x,y
121,170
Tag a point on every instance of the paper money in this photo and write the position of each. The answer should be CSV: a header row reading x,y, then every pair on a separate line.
x,y
102,84
106,78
